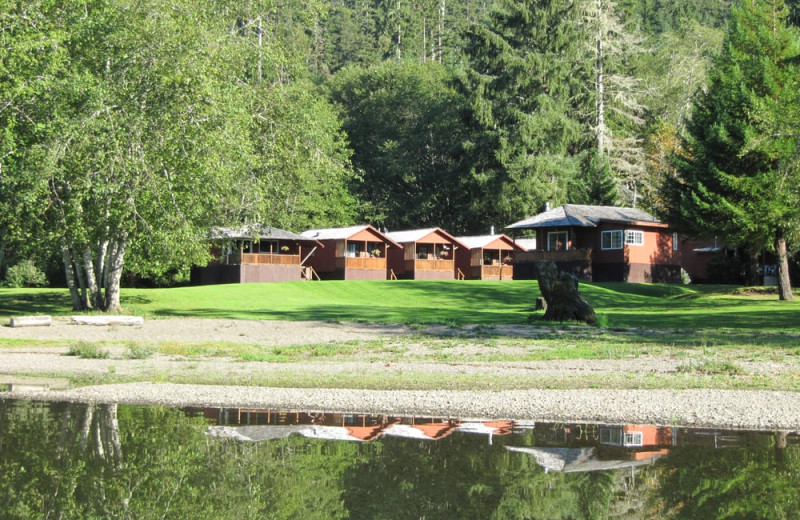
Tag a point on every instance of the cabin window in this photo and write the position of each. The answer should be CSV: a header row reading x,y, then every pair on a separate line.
x,y
268,246
632,439
557,241
611,436
353,249
674,241
634,238
422,252
247,246
611,239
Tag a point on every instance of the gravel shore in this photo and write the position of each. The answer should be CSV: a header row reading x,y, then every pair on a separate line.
x,y
707,408
750,410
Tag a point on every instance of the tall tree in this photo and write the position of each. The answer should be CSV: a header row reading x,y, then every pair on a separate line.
x,y
403,120
619,121
741,178
527,86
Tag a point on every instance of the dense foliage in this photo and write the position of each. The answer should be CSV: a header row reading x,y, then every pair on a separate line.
x,y
129,128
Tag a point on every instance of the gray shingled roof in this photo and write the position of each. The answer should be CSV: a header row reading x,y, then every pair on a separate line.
x,y
415,235
249,232
343,233
576,215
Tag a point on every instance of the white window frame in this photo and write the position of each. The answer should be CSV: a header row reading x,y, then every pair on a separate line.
x,y
556,234
633,439
634,237
614,240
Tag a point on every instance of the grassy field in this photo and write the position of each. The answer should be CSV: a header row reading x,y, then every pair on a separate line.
x,y
618,305
711,333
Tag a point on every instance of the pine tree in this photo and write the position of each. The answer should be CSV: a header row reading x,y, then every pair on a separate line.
x,y
527,84
741,179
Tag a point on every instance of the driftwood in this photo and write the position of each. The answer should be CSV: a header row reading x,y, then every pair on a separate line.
x,y
136,321
560,292
30,321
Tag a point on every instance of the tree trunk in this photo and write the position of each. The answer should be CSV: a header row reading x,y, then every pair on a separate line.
x,y
69,272
560,291
784,281
93,272
601,86
115,262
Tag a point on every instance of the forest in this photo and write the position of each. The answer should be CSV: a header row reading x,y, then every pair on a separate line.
x,y
130,127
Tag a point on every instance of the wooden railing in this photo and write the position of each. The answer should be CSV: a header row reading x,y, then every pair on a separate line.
x,y
497,271
361,263
269,259
556,256
430,265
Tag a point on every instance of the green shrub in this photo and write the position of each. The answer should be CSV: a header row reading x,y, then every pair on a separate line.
x,y
25,274
139,351
86,350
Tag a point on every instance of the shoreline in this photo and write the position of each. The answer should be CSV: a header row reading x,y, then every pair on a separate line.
x,y
728,409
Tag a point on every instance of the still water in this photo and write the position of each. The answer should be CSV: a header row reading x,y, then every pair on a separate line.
x,y
66,461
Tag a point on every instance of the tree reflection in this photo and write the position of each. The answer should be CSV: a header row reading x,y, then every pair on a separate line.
x,y
758,480
67,461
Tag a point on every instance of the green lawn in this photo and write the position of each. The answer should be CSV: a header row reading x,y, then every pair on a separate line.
x,y
649,306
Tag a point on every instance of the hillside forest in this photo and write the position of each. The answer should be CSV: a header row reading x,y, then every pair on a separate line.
x,y
128,128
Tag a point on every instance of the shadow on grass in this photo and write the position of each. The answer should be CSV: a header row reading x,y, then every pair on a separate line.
x,y
41,301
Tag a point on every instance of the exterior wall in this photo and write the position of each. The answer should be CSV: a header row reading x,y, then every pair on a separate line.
x,y
463,262
695,263
324,259
215,273
396,260
435,274
654,261
577,262
364,274
270,273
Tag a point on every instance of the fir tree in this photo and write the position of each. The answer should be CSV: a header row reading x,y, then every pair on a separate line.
x,y
741,179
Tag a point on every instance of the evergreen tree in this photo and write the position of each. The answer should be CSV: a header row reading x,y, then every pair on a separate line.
x,y
527,84
741,178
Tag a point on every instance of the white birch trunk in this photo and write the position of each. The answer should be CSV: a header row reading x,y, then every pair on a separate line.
x,y
116,259
69,272
784,282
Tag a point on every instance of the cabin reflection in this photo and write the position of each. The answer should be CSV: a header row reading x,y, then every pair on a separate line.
x,y
563,447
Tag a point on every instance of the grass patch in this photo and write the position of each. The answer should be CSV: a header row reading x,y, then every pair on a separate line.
x,y
87,350
708,367
139,350
454,303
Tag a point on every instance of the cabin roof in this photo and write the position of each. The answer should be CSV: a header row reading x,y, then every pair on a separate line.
x,y
482,241
344,233
417,235
253,231
578,215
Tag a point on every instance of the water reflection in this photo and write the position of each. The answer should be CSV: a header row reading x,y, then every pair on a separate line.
x,y
77,461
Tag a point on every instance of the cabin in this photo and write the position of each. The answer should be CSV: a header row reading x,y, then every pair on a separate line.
x,y
255,254
487,257
351,253
426,254
601,244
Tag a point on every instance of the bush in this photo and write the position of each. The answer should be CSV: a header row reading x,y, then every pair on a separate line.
x,y
139,351
87,350
25,274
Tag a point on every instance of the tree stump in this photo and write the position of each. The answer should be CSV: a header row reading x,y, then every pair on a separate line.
x,y
560,292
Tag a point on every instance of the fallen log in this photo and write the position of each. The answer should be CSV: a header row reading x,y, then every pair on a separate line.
x,y
30,321
135,321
